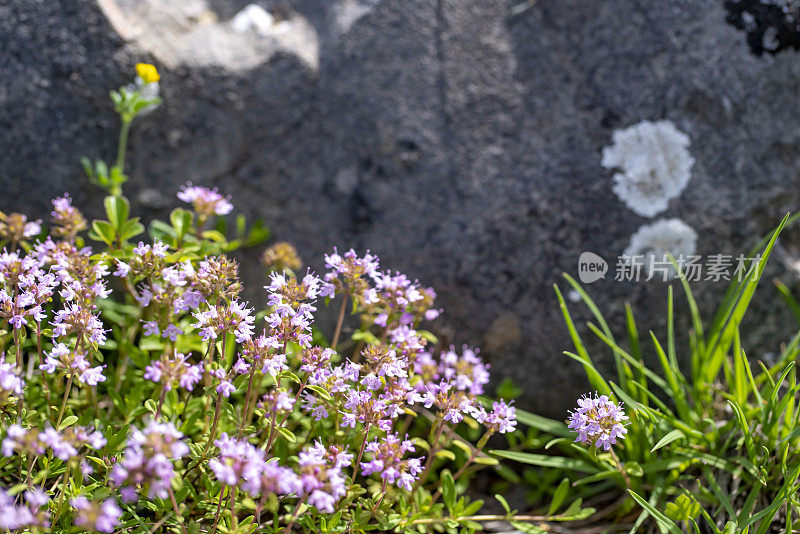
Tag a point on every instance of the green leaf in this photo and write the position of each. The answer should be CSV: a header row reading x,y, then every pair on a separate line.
x,y
682,509
465,448
214,235
669,438
732,315
131,229
527,528
159,229
286,433
444,453
503,502
448,490
547,461
559,496
660,518
259,233
181,220
103,231
634,469
366,336
319,391
68,421
117,210
549,426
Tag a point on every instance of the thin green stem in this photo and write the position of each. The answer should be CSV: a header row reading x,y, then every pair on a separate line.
x,y
431,454
246,414
213,431
64,401
383,494
177,512
361,451
219,508
295,515
45,382
19,367
477,518
19,351
339,323
621,469
123,144
460,471
161,401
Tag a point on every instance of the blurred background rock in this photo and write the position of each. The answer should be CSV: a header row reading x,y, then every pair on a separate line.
x,y
459,140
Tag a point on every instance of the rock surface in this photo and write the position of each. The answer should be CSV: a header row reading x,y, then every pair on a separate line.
x,y
460,141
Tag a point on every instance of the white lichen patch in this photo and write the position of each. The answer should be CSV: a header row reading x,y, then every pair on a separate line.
x,y
653,165
188,32
253,18
651,243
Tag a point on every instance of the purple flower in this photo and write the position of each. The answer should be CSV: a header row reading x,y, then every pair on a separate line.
x,y
452,402
10,383
224,387
235,318
502,418
151,328
206,202
335,456
122,269
64,445
318,411
278,479
61,358
96,516
322,483
467,372
174,371
277,401
75,318
387,459
599,421
239,464
92,376
67,219
348,273
172,332
15,516
147,462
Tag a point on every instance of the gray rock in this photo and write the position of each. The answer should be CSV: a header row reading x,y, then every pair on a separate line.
x,y
460,141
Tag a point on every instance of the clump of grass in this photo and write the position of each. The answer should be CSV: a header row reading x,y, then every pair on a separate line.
x,y
712,448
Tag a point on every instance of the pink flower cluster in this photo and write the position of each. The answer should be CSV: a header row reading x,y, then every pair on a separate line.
x,y
598,421
148,461
387,459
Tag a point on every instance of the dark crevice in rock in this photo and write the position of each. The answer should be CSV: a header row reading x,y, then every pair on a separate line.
x,y
771,25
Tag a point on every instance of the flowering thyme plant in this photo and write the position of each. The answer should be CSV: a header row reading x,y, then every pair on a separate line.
x,y
140,391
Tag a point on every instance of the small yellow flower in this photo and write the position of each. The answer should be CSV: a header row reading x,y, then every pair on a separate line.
x,y
147,72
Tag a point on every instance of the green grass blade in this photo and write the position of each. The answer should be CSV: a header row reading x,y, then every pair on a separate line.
x,y
660,518
657,380
722,342
677,393
544,460
595,378
788,298
668,438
